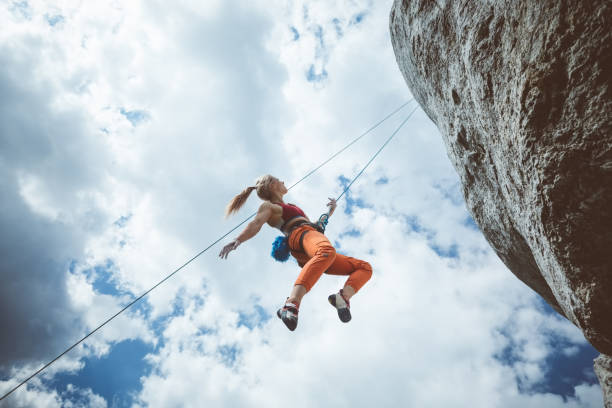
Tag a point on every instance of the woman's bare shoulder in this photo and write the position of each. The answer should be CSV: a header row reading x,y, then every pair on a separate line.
x,y
268,205
276,212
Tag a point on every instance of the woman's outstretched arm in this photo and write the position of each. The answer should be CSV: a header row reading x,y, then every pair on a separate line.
x,y
263,215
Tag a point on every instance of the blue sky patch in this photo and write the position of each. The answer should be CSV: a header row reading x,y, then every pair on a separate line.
x,y
413,223
316,73
21,9
318,33
470,223
178,303
358,18
295,32
563,372
544,307
351,203
313,76
381,181
338,28
320,49
135,117
229,354
451,192
256,318
122,221
351,233
448,252
566,372
116,376
103,279
157,326
105,283
75,396
54,20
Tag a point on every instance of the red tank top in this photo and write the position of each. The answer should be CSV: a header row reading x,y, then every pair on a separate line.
x,y
291,211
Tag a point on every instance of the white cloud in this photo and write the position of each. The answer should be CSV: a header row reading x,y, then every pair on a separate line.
x,y
39,396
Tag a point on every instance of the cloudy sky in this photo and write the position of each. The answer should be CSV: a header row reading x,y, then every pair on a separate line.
x,y
126,127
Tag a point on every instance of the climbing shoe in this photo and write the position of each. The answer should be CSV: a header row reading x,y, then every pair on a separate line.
x,y
289,315
342,305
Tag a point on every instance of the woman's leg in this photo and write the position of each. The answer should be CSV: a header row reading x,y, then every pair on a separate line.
x,y
297,293
358,271
318,255
321,255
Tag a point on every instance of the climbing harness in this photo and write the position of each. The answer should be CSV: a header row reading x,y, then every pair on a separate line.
x,y
282,246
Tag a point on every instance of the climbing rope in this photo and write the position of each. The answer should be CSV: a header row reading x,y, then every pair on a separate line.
x,y
350,144
377,153
324,218
225,235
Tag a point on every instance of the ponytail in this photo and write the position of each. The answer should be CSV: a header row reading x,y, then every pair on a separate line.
x,y
238,201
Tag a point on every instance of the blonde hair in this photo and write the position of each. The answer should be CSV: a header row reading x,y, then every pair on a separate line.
x,y
262,185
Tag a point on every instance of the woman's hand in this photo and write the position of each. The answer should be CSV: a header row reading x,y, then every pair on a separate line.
x,y
332,205
263,215
228,248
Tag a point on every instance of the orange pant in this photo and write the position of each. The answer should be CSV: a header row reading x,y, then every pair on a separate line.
x,y
319,257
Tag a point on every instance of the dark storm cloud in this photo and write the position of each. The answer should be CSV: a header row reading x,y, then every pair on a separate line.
x,y
38,141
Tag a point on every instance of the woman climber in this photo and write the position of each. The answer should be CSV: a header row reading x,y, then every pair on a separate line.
x,y
312,250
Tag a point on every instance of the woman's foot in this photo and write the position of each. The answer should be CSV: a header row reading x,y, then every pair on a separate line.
x,y
342,305
289,315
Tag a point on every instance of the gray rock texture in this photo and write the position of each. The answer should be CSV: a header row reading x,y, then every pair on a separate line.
x,y
603,369
520,91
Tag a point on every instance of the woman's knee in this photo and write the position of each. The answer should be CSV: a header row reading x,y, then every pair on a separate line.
x,y
367,268
327,252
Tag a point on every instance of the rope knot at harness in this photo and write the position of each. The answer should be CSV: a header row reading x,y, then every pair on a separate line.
x,y
323,219
280,246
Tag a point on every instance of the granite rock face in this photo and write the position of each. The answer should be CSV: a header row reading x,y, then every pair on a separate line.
x,y
520,91
603,369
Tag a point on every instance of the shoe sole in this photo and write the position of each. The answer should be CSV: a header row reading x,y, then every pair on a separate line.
x,y
344,313
290,323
